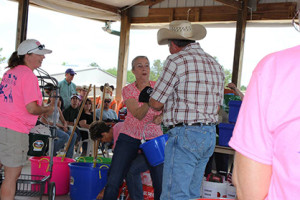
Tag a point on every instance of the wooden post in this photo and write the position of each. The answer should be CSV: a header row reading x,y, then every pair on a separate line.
x,y
123,56
239,44
22,22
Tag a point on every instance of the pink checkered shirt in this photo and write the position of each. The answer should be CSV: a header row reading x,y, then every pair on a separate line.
x,y
191,87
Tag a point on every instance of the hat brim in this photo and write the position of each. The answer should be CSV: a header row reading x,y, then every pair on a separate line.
x,y
42,52
164,34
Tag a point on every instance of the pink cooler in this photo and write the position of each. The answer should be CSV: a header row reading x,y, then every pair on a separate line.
x,y
60,172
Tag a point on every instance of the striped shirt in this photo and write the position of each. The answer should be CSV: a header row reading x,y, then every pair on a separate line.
x,y
191,87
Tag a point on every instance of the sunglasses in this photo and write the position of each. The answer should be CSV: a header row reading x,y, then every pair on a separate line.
x,y
107,101
40,47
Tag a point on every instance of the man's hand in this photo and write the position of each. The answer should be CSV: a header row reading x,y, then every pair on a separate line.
x,y
145,94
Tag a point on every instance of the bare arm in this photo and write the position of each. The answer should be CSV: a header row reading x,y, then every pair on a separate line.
x,y
83,124
156,105
233,87
251,178
64,125
133,107
35,109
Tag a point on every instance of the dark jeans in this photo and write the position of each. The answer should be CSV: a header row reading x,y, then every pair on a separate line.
x,y
125,153
133,177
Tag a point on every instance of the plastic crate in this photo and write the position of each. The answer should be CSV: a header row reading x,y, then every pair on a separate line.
x,y
225,133
234,108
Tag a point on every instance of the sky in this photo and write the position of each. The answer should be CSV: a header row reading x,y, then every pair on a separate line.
x,y
80,42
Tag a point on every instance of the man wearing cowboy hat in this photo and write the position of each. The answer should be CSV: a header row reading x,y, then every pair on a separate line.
x,y
190,91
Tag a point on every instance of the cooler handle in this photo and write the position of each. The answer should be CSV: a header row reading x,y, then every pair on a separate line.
x,y
41,164
100,170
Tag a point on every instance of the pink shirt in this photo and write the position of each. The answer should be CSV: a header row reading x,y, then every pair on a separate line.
x,y
116,131
19,87
268,125
134,127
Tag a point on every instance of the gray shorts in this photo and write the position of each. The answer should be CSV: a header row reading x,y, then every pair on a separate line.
x,y
13,147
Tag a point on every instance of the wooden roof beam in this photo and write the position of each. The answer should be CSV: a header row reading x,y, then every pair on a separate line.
x,y
269,11
232,3
96,4
150,2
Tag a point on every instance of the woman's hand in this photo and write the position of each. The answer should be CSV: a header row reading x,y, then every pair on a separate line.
x,y
157,119
65,127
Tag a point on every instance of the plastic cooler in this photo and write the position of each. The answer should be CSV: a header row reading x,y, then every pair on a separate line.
x,y
60,172
225,133
234,108
86,181
99,159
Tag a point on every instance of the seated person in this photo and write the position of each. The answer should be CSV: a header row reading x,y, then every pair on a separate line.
x,y
82,92
48,88
85,120
108,114
71,113
110,91
63,134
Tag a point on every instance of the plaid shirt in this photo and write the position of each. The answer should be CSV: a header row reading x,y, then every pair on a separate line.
x,y
191,87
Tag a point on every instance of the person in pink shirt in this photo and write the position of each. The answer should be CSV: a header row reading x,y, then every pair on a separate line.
x,y
140,118
20,105
267,132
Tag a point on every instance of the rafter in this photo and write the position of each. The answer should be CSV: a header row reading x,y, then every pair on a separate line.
x,y
96,4
150,2
269,11
232,3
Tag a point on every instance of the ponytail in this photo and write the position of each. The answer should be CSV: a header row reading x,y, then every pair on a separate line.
x,y
15,60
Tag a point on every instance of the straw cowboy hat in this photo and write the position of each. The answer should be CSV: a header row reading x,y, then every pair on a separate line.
x,y
181,30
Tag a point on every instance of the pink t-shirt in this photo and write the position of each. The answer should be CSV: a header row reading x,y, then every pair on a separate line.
x,y
117,127
134,127
19,86
268,125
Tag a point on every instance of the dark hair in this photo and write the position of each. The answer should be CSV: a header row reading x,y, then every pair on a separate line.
x,y
90,101
182,43
137,57
15,60
97,128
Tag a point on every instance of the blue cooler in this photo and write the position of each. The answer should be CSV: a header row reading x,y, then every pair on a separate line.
x,y
234,108
225,133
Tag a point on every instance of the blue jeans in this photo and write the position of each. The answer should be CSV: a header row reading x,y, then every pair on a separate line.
x,y
125,153
133,177
62,139
186,155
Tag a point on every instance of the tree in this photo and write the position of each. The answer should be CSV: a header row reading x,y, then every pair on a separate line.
x,y
130,75
228,76
93,64
2,59
156,69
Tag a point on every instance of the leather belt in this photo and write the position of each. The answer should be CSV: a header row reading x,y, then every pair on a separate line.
x,y
194,124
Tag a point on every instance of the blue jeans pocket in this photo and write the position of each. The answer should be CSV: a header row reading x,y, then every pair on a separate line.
x,y
198,139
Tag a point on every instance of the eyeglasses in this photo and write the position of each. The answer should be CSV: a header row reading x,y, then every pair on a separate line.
x,y
40,47
107,101
295,21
